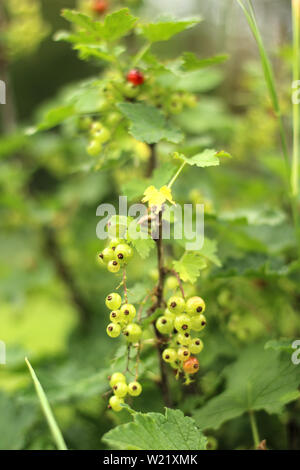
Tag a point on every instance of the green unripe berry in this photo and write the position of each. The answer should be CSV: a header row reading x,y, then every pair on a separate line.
x,y
169,355
196,346
120,389
116,316
94,148
102,136
113,266
117,377
195,306
114,243
113,330
107,255
176,304
184,339
198,322
123,252
133,332
164,325
113,301
96,128
183,323
115,403
171,283
128,311
183,353
134,389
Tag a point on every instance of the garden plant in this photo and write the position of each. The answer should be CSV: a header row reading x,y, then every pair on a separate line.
x,y
173,324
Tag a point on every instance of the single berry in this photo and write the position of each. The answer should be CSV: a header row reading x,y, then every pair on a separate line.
x,y
134,389
195,305
136,77
113,330
94,148
100,133
183,353
114,243
164,325
133,332
117,377
113,301
123,252
107,255
120,389
169,355
183,323
115,403
198,322
191,366
176,304
99,6
113,266
184,339
128,311
171,283
116,316
196,346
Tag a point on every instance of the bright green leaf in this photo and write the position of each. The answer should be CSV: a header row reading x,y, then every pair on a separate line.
x,y
258,380
189,266
148,124
191,62
155,431
164,30
208,157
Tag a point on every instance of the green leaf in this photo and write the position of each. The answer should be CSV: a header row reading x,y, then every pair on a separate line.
x,y
209,251
208,157
164,30
189,266
55,431
259,380
15,422
148,124
82,20
190,61
115,25
155,431
118,24
53,118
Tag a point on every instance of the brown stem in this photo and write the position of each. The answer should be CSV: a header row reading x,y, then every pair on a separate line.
x,y
175,273
152,161
163,383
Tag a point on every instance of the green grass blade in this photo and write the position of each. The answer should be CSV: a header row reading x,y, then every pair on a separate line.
x,y
55,431
269,77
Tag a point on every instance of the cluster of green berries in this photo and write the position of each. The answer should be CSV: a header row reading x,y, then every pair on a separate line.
x,y
178,321
99,135
122,319
121,389
115,255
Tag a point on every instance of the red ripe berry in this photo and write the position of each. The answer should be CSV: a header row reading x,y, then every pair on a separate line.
x,y
99,6
135,77
191,366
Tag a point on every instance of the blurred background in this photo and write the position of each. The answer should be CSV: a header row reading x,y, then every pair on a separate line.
x,y
51,289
